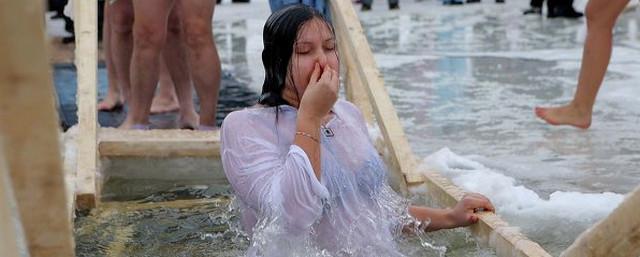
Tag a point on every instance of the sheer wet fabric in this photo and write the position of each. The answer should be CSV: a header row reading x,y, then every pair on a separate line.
x,y
286,210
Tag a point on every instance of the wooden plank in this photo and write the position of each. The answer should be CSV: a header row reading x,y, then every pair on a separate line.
x,y
617,235
86,27
29,128
8,234
159,143
356,93
354,88
491,229
402,160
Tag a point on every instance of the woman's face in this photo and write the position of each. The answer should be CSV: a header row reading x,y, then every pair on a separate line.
x,y
315,44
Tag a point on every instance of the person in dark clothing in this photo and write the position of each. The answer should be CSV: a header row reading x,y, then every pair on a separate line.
x,y
535,7
555,8
58,7
393,5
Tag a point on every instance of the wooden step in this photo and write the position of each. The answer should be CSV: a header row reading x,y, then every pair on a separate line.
x,y
158,143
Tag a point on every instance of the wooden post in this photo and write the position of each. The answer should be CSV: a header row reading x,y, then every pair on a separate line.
x,y
86,31
347,23
617,235
29,129
8,233
354,88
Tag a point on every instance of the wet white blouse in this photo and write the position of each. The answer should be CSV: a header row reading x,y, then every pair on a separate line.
x,y
351,211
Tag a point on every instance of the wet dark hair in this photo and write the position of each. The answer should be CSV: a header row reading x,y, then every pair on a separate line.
x,y
279,36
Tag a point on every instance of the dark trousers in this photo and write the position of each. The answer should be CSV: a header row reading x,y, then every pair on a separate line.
x,y
552,3
369,2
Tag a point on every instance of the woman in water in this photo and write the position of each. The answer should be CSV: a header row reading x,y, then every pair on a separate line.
x,y
305,192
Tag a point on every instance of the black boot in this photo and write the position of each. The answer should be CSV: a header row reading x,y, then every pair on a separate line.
x,y
69,27
365,7
394,6
59,15
562,8
565,12
452,2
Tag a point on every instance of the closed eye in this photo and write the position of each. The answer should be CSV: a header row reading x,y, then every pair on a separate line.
x,y
303,48
330,44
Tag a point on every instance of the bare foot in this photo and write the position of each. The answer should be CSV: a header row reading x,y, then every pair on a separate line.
x,y
565,115
126,124
189,120
110,103
162,104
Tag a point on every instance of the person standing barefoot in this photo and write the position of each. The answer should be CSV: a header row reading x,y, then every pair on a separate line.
x,y
178,70
165,99
202,56
601,18
117,16
150,38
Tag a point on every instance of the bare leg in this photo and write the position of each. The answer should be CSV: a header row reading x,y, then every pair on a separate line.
x,y
174,53
121,23
149,30
113,99
165,100
601,18
202,55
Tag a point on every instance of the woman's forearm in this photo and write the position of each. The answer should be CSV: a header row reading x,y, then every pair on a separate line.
x,y
439,218
307,137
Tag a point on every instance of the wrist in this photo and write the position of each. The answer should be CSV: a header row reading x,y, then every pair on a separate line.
x,y
309,120
450,218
